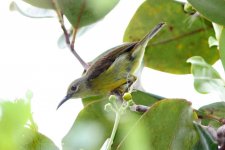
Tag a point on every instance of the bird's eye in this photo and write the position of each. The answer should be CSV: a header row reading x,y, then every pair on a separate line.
x,y
74,88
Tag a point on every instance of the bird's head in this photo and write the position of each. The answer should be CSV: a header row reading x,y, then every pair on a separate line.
x,y
75,90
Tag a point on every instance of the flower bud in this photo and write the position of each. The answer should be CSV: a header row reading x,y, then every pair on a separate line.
x,y
127,96
108,107
112,98
189,9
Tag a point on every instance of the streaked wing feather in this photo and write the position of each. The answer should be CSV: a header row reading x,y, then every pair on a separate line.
x,y
104,61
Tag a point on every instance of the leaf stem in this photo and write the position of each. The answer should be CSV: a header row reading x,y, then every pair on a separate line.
x,y
115,126
118,109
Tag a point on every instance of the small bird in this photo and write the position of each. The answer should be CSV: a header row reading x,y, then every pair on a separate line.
x,y
113,71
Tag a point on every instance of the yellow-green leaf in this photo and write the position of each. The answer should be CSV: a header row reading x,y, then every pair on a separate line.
x,y
184,36
16,132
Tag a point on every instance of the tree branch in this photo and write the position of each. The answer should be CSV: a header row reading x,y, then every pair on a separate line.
x,y
139,108
67,36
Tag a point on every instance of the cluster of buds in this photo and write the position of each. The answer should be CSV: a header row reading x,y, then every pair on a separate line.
x,y
116,106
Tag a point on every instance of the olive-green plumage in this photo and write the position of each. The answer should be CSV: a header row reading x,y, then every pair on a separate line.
x,y
111,70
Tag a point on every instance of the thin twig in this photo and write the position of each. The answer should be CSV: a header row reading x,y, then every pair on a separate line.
x,y
139,108
67,36
75,28
61,21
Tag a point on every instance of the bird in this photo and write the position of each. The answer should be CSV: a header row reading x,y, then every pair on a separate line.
x,y
113,71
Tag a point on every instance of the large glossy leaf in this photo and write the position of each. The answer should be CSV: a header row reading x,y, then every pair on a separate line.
x,y
167,125
206,78
215,109
222,47
185,36
84,12
211,9
47,4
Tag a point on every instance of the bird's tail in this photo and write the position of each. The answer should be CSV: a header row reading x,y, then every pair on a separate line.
x,y
149,36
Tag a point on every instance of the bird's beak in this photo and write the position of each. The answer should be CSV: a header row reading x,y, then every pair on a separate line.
x,y
67,97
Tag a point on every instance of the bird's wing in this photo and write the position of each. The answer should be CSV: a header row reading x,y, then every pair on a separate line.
x,y
104,61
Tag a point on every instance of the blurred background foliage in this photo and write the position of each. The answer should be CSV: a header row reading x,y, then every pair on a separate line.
x,y
18,129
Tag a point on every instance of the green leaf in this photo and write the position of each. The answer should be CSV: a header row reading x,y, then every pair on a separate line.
x,y
36,141
46,4
17,128
222,47
84,12
211,9
143,98
13,117
31,11
215,109
185,36
206,141
90,129
127,122
94,125
167,125
206,78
